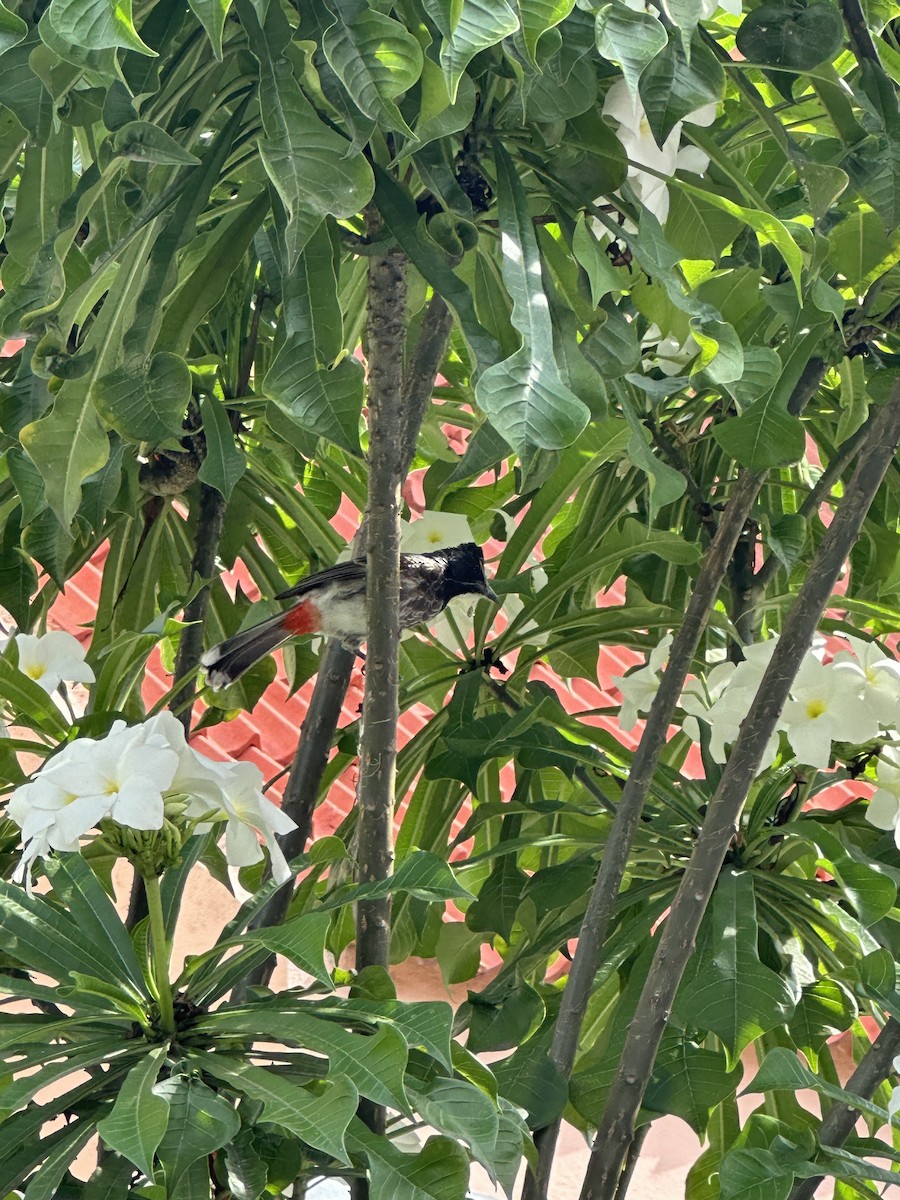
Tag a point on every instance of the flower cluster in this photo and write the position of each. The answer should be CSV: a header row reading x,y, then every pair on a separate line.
x,y
146,778
855,698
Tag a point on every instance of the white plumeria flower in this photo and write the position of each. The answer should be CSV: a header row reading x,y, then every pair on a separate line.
x,y
52,658
229,791
639,687
434,531
894,1102
731,688
127,777
670,356
122,776
878,676
640,145
823,709
883,810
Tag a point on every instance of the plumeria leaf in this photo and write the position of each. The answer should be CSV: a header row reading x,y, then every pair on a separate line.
x,y
524,396
791,38
459,1109
729,991
301,940
766,435
630,39
689,1081
135,1126
374,1064
782,1070
200,1121
439,1171
224,463
467,28
376,59
825,1009
537,16
97,24
318,1115
85,899
672,88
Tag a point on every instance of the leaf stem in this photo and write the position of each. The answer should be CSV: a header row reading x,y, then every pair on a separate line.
x,y
159,951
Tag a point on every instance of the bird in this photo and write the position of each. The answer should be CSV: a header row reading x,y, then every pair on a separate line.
x,y
333,603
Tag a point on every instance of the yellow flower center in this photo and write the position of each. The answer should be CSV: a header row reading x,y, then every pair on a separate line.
x,y
36,671
815,708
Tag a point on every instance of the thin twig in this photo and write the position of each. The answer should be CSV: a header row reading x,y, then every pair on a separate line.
x,y
816,496
677,942
873,1069
860,38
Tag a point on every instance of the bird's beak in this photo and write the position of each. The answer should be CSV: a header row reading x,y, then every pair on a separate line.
x,y
489,594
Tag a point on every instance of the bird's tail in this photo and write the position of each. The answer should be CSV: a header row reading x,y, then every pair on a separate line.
x,y
228,661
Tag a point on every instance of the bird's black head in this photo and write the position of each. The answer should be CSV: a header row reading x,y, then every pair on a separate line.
x,y
464,573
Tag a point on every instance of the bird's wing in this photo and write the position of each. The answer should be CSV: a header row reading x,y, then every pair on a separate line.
x,y
345,572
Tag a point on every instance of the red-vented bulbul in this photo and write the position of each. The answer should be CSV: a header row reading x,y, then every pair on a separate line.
x,y
334,604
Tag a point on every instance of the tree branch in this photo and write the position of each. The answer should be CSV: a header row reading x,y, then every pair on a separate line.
x,y
837,1126
860,38
602,903
676,945
385,330
336,664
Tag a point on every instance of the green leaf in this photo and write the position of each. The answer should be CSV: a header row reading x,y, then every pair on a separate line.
x,y
376,59
458,953
630,39
754,1175
97,24
302,940
319,1114
12,29
88,904
721,355
524,397
767,228
423,874
400,216
766,435
689,1082
67,446
791,37
44,1183
729,991
459,1109
140,141
672,88
135,1126
374,1064
782,1070
224,463
474,26
313,168
826,1008
865,882
146,404
200,1121
212,15
590,254
495,909
440,1171
537,16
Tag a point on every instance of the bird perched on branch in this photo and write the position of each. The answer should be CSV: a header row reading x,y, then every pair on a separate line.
x,y
333,603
